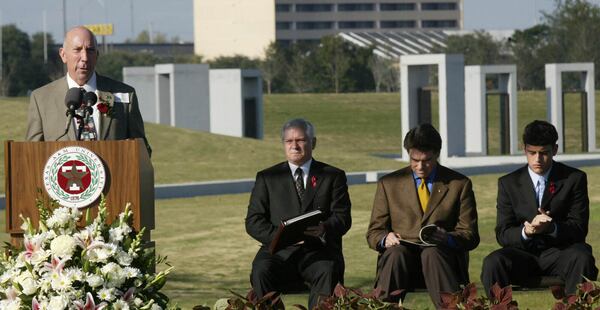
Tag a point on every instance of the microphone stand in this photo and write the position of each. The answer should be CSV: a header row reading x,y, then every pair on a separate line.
x,y
71,114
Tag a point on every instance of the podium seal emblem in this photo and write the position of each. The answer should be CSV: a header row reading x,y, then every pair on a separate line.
x,y
74,176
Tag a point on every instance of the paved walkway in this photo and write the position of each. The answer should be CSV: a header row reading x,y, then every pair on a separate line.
x,y
466,165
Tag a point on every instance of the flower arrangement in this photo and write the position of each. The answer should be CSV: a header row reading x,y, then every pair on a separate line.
x,y
100,266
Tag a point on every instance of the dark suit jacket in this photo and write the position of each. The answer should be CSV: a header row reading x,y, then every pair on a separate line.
x,y
451,206
274,199
565,196
47,118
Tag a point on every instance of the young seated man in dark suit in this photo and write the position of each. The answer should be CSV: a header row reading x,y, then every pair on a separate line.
x,y
542,218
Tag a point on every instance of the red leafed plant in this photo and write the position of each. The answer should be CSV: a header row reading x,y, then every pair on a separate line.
x,y
271,301
348,298
500,299
587,296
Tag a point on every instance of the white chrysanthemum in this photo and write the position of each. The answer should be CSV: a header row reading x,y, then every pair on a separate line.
x,y
138,302
114,274
110,268
120,305
45,284
43,304
10,304
116,234
107,294
62,246
131,272
8,275
60,281
59,302
74,273
94,280
28,285
59,217
123,258
100,252
156,307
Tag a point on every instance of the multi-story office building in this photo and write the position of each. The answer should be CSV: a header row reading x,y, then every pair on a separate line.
x,y
228,27
310,20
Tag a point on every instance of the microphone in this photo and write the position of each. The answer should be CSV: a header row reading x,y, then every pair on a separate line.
x,y
73,102
89,100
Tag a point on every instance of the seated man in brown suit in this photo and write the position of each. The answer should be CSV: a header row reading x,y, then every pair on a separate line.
x,y
408,199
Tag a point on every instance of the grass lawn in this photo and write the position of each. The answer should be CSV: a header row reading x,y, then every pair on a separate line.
x,y
204,237
351,128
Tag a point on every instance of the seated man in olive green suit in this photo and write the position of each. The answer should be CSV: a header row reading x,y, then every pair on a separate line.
x,y
116,115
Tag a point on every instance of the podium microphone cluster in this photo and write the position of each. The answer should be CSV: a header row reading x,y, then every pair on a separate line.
x,y
73,102
89,100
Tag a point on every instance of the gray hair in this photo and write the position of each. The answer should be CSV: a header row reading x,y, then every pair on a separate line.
x,y
309,129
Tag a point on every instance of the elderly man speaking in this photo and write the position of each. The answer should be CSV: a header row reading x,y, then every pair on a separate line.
x,y
115,113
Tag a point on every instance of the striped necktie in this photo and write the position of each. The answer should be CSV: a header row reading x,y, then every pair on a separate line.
x,y
299,182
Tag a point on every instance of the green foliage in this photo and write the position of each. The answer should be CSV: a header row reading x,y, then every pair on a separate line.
x,y
530,51
111,64
53,68
574,28
18,72
333,55
568,34
236,61
144,37
272,65
478,48
385,73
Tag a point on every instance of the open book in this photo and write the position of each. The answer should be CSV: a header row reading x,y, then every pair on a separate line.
x,y
424,237
291,231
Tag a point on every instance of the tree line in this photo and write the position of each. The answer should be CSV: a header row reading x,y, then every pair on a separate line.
x,y
568,34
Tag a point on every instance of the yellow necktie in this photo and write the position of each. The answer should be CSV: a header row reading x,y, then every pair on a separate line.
x,y
423,194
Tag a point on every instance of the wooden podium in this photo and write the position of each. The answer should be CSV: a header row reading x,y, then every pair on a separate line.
x,y
129,178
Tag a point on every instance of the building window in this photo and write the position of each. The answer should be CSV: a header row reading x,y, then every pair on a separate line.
x,y
313,25
283,25
356,7
438,24
397,7
283,42
314,7
397,24
356,25
438,6
283,8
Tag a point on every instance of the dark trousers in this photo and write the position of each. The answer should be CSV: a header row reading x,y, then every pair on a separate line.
x,y
512,265
319,268
407,267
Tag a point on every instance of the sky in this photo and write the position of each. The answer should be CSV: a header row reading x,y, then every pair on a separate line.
x,y
175,17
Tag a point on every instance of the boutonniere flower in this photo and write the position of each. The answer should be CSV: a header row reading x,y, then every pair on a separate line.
x,y
313,181
106,100
552,188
